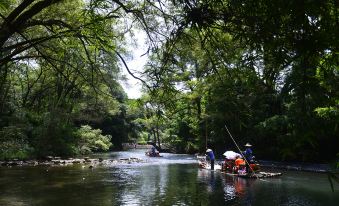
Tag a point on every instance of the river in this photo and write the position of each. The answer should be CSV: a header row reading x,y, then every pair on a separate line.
x,y
171,180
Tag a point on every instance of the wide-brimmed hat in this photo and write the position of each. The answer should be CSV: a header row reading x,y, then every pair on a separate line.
x,y
208,150
248,145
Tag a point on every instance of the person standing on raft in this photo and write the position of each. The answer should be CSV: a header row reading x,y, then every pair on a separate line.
x,y
248,154
211,157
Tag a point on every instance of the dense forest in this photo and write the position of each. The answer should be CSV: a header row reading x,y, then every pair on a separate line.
x,y
268,70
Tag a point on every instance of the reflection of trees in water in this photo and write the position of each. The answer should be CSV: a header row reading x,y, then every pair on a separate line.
x,y
207,176
163,184
210,188
182,187
149,184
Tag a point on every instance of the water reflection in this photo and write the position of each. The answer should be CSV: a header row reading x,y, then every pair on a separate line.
x,y
209,177
231,189
147,183
172,180
159,185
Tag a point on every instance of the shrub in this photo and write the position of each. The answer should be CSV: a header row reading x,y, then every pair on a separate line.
x,y
54,135
91,140
13,144
142,138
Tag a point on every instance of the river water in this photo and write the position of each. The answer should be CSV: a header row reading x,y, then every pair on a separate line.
x,y
170,180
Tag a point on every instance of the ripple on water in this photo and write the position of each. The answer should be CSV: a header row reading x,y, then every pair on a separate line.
x,y
170,180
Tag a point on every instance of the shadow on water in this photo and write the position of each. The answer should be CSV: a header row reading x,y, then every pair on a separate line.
x,y
294,188
171,180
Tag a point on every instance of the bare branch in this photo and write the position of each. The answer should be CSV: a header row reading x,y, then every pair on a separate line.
x,y
129,71
50,22
15,13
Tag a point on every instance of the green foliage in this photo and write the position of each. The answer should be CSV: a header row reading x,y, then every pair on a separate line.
x,y
91,140
143,136
4,5
58,70
327,112
328,75
14,144
267,69
53,135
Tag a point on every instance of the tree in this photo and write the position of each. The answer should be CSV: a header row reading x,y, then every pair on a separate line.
x,y
57,60
271,77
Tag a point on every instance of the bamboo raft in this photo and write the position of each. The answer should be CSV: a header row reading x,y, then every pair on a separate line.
x,y
205,165
150,155
256,175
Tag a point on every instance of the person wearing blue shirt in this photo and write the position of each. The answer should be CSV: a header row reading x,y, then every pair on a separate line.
x,y
248,153
210,155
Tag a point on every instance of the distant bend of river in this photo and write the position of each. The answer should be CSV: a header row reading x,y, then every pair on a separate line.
x,y
171,180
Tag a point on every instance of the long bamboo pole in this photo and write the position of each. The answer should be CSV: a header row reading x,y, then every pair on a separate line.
x,y
206,133
239,149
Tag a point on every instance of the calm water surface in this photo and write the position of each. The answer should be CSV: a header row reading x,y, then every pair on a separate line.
x,y
171,180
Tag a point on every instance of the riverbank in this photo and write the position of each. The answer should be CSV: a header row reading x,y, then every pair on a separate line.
x,y
93,161
55,161
164,147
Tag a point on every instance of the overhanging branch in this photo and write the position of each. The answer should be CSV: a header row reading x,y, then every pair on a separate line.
x,y
129,71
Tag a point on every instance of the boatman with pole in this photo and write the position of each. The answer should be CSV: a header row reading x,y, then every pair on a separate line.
x,y
248,167
248,154
210,155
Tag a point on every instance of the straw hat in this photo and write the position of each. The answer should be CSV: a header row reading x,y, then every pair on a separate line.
x,y
248,145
